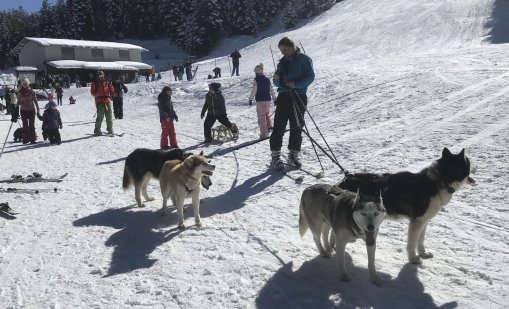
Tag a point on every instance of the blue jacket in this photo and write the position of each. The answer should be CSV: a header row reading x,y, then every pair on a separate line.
x,y
298,69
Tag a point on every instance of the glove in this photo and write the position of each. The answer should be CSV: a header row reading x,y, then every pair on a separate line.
x,y
60,127
250,102
275,102
176,118
202,115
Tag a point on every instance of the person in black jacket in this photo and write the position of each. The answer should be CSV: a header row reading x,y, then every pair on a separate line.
x,y
166,116
118,100
51,122
235,61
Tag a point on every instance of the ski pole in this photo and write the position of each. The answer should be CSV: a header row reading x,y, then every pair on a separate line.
x,y
10,127
302,46
272,54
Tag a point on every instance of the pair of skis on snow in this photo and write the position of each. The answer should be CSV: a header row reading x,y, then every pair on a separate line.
x,y
297,179
34,177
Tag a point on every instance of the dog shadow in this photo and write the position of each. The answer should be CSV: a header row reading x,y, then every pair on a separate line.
x,y
139,234
315,285
236,197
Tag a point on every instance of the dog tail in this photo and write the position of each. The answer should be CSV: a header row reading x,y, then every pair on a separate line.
x,y
126,181
303,223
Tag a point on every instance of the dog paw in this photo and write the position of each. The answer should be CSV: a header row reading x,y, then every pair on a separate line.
x,y
415,260
181,227
426,255
141,205
345,277
198,224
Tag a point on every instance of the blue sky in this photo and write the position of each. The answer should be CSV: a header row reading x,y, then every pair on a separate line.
x,y
28,5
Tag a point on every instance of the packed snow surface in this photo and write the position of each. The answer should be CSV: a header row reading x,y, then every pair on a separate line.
x,y
396,81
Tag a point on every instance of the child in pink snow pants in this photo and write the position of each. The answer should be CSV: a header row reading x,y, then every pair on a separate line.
x,y
167,115
263,92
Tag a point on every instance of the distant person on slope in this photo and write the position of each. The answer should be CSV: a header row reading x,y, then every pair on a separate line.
x,y
102,91
27,102
263,93
293,76
235,55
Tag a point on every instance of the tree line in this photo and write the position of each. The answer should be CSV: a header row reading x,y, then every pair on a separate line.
x,y
195,25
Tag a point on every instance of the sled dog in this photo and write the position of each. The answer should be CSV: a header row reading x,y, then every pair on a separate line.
x,y
180,180
350,216
143,164
416,196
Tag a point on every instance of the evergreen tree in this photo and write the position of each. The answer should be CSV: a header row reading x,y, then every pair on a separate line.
x,y
117,20
61,16
47,21
290,17
312,8
267,12
241,17
82,20
203,27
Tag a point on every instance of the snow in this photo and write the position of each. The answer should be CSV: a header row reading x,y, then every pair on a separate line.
x,y
83,43
395,83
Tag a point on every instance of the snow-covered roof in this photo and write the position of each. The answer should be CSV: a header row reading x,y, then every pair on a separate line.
x,y
24,69
76,43
138,65
87,65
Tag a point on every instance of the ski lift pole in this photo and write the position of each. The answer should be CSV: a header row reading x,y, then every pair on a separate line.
x,y
10,127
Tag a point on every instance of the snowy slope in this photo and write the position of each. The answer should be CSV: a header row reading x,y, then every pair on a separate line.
x,y
396,82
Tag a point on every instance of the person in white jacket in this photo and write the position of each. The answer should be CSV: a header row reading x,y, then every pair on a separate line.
x,y
263,93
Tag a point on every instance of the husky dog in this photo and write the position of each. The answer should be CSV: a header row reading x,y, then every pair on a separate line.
x,y
143,164
180,180
350,216
418,196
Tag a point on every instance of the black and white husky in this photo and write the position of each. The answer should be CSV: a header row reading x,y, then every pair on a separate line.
x,y
416,196
350,216
142,164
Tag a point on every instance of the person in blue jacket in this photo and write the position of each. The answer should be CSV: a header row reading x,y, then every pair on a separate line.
x,y
292,78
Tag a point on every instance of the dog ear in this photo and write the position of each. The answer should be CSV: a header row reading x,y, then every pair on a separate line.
x,y
201,153
189,162
446,153
358,197
462,153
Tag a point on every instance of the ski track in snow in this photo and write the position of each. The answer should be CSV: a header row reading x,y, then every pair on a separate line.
x,y
395,83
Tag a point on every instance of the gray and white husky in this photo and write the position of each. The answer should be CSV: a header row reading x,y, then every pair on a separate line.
x,y
416,196
350,216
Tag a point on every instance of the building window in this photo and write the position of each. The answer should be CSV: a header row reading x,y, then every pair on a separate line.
x,y
97,55
67,53
124,55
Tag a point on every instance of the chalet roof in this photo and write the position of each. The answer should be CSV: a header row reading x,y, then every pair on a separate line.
x,y
76,43
92,65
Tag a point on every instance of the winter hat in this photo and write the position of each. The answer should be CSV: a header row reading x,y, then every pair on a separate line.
x,y
25,81
50,104
286,41
215,86
100,73
259,69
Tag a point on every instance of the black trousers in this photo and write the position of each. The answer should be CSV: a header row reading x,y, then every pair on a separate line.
x,y
53,136
59,100
209,122
285,112
118,107
235,69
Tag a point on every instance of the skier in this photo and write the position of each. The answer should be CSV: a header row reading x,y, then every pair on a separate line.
x,y
235,55
166,116
293,76
118,98
181,72
27,102
102,91
216,110
51,123
175,71
263,92
72,100
189,72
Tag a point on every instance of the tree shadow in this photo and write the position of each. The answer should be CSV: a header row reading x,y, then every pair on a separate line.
x,y
236,197
139,234
315,285
498,23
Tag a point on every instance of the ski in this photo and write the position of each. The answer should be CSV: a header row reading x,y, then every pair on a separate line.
x,y
284,172
295,168
27,191
35,177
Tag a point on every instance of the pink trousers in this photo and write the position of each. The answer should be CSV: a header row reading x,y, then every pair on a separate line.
x,y
263,110
168,132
